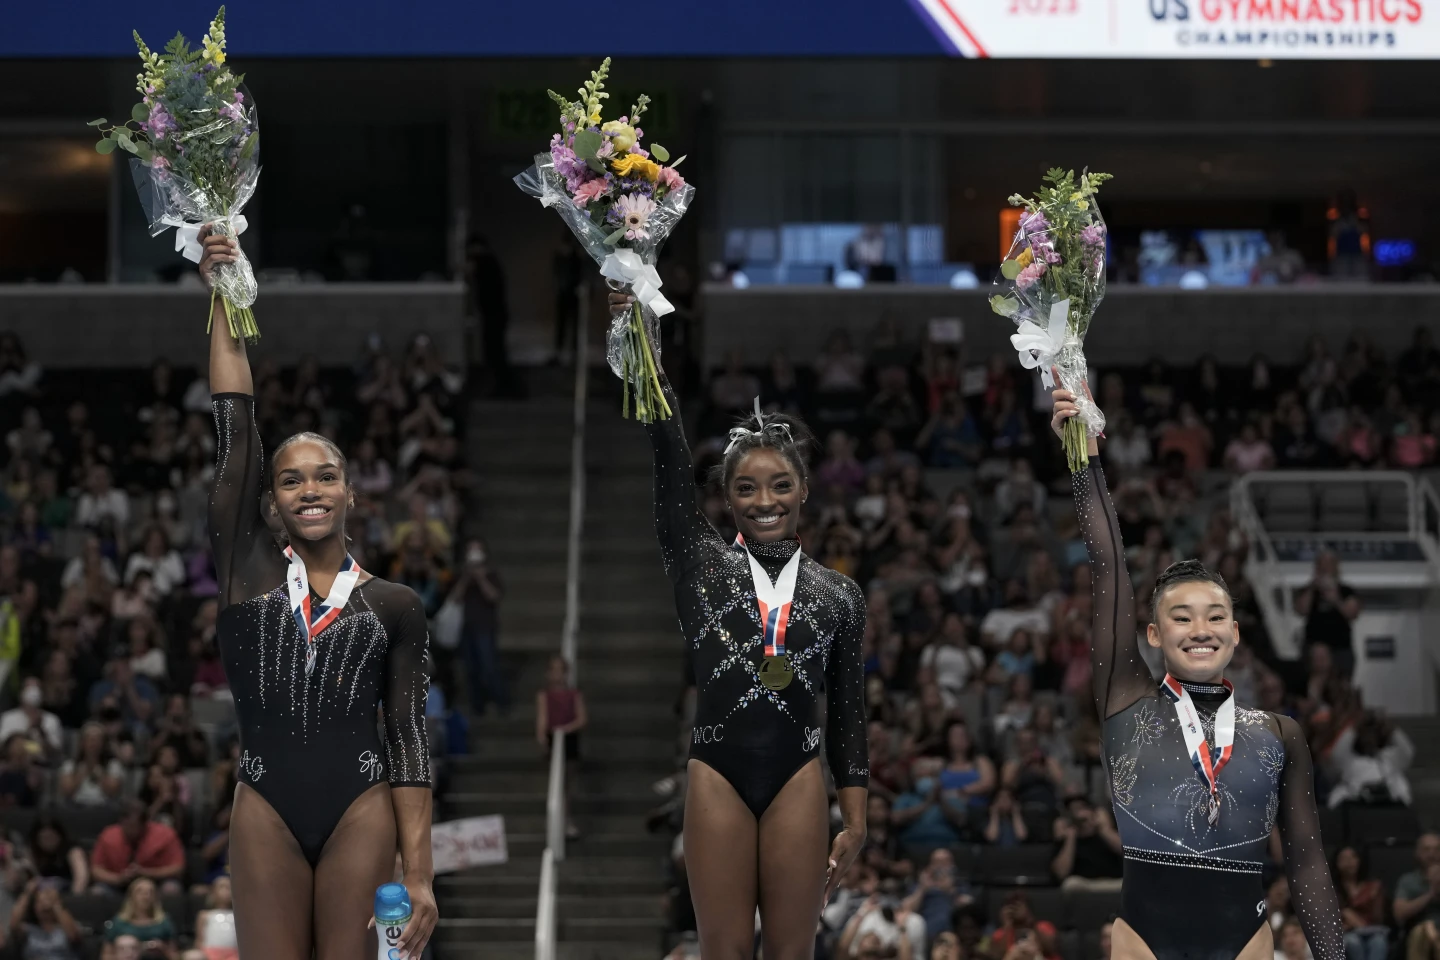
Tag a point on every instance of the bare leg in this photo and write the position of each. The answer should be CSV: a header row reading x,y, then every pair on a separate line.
x,y
720,859
358,857
273,882
794,843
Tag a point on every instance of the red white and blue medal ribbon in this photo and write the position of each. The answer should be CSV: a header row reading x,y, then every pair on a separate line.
x,y
775,599
312,621
1207,760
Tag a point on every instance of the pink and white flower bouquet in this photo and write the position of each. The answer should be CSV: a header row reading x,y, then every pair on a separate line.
x,y
621,201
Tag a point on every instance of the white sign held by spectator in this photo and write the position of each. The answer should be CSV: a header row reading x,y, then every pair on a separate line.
x,y
472,842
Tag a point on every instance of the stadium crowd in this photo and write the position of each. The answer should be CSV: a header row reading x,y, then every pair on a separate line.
x,y
938,487
118,744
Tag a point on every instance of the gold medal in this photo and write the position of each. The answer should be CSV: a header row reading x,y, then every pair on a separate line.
x,y
776,672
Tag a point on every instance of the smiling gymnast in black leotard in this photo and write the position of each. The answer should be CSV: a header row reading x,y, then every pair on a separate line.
x,y
1197,782
312,645
768,630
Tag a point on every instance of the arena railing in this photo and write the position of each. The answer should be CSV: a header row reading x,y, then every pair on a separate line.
x,y
555,812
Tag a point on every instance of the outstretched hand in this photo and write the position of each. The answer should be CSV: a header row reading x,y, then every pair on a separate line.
x,y
216,248
619,303
1065,406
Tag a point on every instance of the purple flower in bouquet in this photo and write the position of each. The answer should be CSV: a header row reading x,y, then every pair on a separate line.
x,y
1093,235
1033,223
635,211
607,149
1030,275
160,124
569,166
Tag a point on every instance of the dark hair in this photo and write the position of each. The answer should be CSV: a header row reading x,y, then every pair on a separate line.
x,y
307,437
1183,571
778,431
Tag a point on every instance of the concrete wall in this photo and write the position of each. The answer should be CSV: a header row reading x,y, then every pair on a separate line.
x,y
102,325
1132,325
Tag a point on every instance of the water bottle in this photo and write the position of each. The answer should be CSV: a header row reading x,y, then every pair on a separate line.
x,y
392,912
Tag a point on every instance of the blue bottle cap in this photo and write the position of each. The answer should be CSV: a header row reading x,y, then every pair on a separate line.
x,y
392,902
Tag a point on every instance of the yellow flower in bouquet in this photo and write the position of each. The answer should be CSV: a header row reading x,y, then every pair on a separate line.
x,y
634,163
622,135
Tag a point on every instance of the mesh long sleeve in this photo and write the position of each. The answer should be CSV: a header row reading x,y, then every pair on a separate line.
x,y
407,686
246,556
1312,892
846,736
1120,674
686,537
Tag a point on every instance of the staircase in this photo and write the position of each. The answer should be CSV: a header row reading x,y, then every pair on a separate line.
x,y
630,668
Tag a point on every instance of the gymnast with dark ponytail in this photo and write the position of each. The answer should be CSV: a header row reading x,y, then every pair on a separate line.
x,y
768,631
1197,782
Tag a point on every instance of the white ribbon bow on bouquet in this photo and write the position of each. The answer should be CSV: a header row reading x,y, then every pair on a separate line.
x,y
627,267
187,235
1040,346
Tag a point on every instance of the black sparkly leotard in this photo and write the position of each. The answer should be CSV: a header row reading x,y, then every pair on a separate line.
x,y
310,744
757,738
1193,891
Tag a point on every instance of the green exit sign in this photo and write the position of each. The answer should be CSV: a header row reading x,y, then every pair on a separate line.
x,y
527,114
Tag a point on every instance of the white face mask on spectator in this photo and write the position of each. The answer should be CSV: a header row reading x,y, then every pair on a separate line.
x,y
31,696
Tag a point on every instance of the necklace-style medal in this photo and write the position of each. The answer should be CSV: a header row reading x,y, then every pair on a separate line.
x,y
1208,761
297,582
775,600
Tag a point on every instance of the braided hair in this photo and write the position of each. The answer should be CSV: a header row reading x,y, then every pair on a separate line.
x,y
781,432
1184,571
308,437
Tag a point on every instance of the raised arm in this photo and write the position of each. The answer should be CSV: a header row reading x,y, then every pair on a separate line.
x,y
246,556
686,537
1312,892
1120,676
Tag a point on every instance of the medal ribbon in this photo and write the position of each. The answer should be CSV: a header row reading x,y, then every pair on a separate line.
x,y
1208,761
311,622
774,599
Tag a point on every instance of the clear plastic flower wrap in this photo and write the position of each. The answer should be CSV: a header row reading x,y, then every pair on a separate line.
x,y
621,202
1053,279
196,137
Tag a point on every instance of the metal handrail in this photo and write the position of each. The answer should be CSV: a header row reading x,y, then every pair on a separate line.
x,y
555,813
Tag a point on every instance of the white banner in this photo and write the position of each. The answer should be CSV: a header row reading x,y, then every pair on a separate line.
x,y
1186,29
472,842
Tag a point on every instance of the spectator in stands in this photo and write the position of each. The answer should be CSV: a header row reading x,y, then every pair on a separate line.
x,y
1033,776
162,561
1104,942
147,650
939,890
1330,607
91,573
125,947
101,501
1006,827
950,657
215,851
1018,612
951,439
1417,896
215,924
928,815
138,847
166,796
124,695
968,777
32,721
52,856
141,916
1362,904
93,777
479,589
136,598
416,567
1370,759
20,779
1088,848
41,927
560,708
176,730
1249,452
880,929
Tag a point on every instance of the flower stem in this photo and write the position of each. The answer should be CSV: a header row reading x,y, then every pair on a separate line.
x,y
1076,442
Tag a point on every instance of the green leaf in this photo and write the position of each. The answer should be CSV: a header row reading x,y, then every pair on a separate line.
x,y
144,151
251,145
659,152
587,144
614,238
139,113
1005,306
97,123
595,165
678,162
1010,269
128,144
105,146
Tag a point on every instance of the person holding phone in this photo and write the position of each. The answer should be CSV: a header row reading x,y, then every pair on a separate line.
x,y
478,590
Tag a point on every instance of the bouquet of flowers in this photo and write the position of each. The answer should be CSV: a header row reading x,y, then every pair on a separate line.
x,y
621,201
195,140
1054,279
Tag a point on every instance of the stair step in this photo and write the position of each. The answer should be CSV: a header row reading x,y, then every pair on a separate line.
x,y
570,950
572,908
473,929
